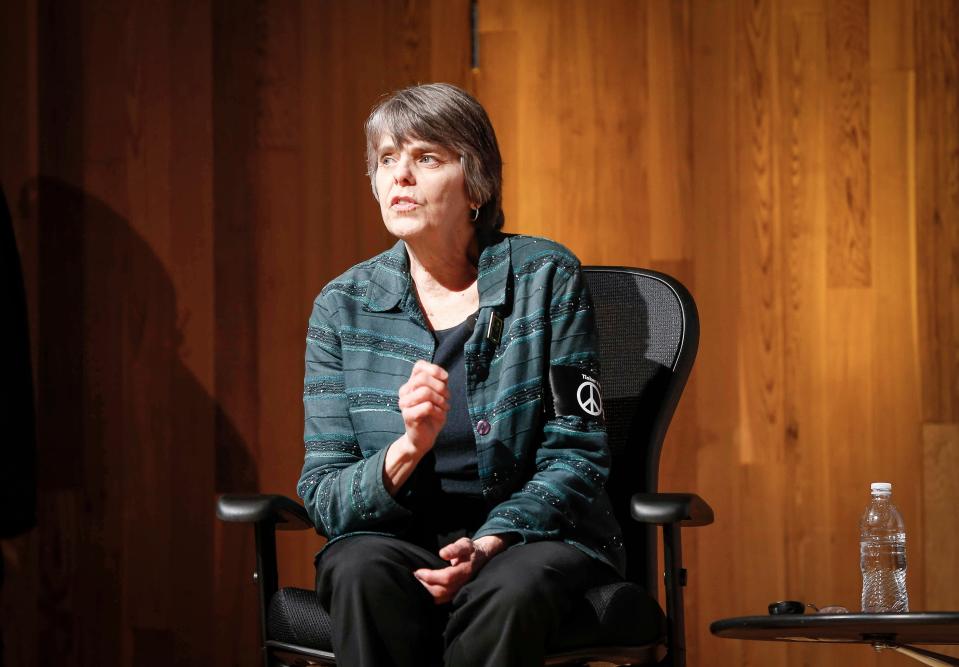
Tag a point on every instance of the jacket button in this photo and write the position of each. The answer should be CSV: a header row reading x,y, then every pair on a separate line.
x,y
482,427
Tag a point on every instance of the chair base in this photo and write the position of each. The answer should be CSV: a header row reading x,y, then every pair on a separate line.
x,y
298,656
619,655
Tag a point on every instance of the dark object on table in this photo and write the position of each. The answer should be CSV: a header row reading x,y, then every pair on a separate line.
x,y
648,337
797,607
787,607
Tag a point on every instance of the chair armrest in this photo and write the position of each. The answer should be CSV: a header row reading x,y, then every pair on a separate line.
x,y
284,513
686,509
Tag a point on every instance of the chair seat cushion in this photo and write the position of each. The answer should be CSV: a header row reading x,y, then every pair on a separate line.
x,y
619,614
296,617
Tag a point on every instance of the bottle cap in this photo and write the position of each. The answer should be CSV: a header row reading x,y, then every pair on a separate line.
x,y
881,487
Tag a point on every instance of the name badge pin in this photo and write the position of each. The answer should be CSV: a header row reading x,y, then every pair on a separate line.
x,y
494,331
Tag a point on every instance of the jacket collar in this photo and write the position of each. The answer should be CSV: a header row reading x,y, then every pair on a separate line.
x,y
390,282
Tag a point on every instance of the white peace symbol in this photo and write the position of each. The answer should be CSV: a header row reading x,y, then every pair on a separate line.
x,y
592,404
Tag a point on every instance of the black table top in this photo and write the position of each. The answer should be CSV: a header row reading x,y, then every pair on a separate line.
x,y
930,627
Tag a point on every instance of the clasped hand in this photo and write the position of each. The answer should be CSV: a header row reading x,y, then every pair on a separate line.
x,y
466,558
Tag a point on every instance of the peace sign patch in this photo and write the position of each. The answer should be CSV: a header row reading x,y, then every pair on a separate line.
x,y
575,392
589,399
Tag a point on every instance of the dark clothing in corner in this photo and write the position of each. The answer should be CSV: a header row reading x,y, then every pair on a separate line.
x,y
18,474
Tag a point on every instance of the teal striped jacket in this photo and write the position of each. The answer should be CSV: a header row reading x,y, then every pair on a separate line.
x,y
542,470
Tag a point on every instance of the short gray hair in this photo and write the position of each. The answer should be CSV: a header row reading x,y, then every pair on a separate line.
x,y
449,116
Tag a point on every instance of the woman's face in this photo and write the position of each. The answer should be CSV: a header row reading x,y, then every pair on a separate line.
x,y
422,190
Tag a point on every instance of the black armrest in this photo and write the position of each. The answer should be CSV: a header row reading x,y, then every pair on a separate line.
x,y
286,514
686,509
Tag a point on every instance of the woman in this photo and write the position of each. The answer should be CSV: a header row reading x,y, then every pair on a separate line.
x,y
455,450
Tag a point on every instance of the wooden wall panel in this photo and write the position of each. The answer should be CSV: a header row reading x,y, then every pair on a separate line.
x,y
190,261
715,232
813,235
187,175
18,164
190,174
936,304
665,73
235,36
579,101
937,204
896,405
801,183
847,52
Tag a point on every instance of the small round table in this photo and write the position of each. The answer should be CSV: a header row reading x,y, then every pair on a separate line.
x,y
884,631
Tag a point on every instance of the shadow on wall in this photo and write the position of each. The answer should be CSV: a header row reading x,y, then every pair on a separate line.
x,y
132,448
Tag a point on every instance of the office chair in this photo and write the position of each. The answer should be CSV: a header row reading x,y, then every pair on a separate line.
x,y
648,336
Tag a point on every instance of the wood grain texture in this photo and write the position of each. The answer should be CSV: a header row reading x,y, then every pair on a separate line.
x,y
760,431
936,299
176,206
803,241
941,460
847,50
940,454
937,206
716,232
801,176
666,71
236,35
896,405
760,339
588,105
18,164
187,175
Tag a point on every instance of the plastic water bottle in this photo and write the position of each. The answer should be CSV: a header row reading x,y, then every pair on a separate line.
x,y
882,554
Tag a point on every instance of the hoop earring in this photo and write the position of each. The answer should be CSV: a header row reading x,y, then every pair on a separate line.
x,y
475,215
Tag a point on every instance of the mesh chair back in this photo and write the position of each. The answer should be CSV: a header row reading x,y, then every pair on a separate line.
x,y
648,336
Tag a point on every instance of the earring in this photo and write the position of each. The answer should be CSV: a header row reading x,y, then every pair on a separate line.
x,y
475,215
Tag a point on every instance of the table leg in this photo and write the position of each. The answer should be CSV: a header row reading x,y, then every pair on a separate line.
x,y
922,655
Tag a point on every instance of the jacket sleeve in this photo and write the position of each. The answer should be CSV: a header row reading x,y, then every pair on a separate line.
x,y
572,461
341,487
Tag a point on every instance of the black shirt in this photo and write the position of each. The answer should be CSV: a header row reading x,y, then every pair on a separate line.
x,y
445,493
455,447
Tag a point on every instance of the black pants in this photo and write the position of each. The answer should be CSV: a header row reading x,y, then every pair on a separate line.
x,y
506,616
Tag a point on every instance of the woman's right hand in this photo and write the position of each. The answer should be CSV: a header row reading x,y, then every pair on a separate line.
x,y
424,402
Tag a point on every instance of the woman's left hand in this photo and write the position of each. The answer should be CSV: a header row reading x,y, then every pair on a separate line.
x,y
466,557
